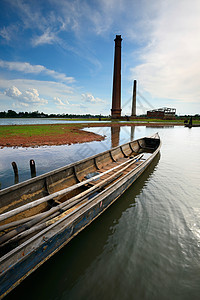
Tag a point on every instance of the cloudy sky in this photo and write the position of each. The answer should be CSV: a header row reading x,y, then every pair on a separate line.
x,y
57,56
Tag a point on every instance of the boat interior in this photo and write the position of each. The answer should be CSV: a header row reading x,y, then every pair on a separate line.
x,y
81,181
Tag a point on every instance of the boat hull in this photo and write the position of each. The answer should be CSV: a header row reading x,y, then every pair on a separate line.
x,y
31,254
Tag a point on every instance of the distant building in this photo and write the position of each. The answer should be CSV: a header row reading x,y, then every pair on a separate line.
x,y
162,113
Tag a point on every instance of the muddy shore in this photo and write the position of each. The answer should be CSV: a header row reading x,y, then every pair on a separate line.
x,y
75,134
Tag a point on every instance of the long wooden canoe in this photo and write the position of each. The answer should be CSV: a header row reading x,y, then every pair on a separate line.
x,y
41,215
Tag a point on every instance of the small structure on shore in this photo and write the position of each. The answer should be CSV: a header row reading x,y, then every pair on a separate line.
x,y
162,113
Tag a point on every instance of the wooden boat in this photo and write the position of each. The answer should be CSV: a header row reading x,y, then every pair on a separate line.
x,y
41,215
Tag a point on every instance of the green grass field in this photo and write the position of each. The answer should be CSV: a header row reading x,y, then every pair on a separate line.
x,y
32,130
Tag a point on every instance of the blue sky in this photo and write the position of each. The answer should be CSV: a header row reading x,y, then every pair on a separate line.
x,y
57,56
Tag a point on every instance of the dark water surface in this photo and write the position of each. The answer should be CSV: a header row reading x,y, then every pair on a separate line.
x,y
146,245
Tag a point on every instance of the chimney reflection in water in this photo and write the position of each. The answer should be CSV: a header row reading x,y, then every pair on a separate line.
x,y
115,133
132,132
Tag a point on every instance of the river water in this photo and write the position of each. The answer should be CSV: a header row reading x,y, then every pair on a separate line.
x,y
35,121
146,245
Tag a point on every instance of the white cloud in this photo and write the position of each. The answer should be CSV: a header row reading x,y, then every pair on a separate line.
x,y
8,33
91,99
22,67
60,102
26,67
48,23
46,38
26,98
170,65
48,88
13,92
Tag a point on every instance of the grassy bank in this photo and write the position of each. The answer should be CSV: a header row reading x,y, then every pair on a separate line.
x,y
34,130
40,135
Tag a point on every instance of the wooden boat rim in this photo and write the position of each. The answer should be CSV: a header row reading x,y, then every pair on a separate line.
x,y
41,233
34,203
42,176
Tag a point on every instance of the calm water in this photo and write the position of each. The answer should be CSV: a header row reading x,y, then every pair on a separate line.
x,y
24,121
146,245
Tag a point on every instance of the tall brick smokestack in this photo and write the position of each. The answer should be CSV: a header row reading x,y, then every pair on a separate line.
x,y
133,114
116,96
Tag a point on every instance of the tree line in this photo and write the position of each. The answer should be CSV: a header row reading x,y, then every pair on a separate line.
x,y
36,114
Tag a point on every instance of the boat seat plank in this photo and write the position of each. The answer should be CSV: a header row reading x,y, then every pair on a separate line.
x,y
132,167
113,164
102,170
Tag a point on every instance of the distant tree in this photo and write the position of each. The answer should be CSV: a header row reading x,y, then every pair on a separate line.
x,y
11,114
2,114
34,114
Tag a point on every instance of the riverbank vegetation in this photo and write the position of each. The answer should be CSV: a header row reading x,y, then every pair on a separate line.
x,y
89,117
36,114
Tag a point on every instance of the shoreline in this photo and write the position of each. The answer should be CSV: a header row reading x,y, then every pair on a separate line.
x,y
59,134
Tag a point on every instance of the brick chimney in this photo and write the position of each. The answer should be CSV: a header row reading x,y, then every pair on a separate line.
x,y
133,114
116,95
